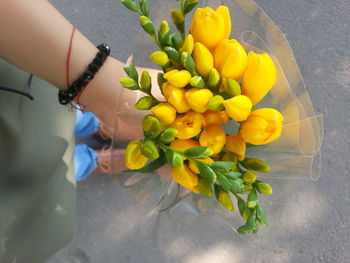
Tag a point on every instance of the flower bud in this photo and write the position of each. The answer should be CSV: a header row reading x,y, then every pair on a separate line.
x,y
193,166
176,97
188,62
210,27
188,125
236,145
132,72
216,103
213,137
198,152
173,54
229,157
163,31
130,4
150,149
262,126
133,158
249,177
230,59
168,135
224,198
146,83
160,58
264,188
164,112
233,88
189,5
238,108
259,76
129,83
237,186
147,25
144,6
204,187
145,103
198,99
203,59
247,188
185,177
188,44
255,165
176,41
197,82
151,126
178,78
213,79
176,16
252,199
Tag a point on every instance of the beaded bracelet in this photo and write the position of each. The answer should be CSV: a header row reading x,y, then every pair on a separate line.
x,y
67,96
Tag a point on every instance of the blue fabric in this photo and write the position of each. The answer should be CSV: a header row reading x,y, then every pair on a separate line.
x,y
85,124
85,160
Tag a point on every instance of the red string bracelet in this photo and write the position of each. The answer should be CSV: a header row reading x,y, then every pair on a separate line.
x,y
68,55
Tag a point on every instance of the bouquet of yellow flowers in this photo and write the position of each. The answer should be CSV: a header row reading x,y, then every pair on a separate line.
x,y
210,114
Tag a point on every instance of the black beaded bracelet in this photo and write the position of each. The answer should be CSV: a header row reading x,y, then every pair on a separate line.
x,y
67,96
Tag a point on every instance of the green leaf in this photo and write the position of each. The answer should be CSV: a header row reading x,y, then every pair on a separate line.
x,y
222,166
261,215
198,152
225,183
251,223
174,159
242,206
152,166
233,175
206,171
132,72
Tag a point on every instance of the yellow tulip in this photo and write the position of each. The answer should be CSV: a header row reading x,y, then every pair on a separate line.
x,y
214,137
230,59
210,27
188,44
238,107
164,112
262,126
203,58
194,168
133,157
178,78
216,118
185,177
259,76
176,97
198,99
188,125
236,145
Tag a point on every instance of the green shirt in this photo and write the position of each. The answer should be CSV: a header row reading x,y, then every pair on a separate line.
x,y
37,185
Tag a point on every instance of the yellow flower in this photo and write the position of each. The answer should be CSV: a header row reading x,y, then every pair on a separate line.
x,y
178,78
262,126
230,59
214,137
185,177
188,125
203,58
133,157
194,168
216,118
210,27
238,107
259,76
176,97
188,44
198,99
236,145
164,112
184,144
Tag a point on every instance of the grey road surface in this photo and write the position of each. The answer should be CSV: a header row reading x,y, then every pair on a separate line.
x,y
319,33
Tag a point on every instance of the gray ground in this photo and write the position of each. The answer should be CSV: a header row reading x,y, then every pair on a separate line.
x,y
319,33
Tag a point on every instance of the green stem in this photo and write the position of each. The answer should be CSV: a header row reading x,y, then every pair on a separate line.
x,y
156,41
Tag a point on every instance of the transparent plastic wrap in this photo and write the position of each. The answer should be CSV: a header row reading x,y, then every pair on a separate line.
x,y
183,221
